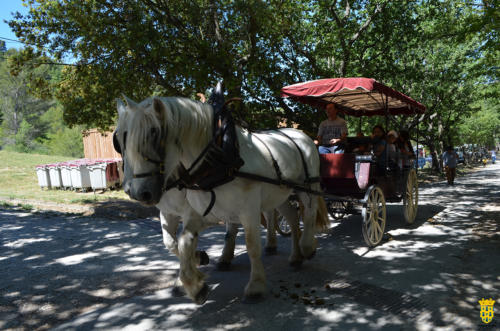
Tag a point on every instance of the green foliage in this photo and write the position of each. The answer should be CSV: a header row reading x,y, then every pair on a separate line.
x,y
30,124
62,140
483,127
442,53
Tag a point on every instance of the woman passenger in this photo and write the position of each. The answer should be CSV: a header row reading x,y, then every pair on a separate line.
x,y
379,146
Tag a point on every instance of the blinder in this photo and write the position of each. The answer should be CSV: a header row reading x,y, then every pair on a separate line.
x,y
116,143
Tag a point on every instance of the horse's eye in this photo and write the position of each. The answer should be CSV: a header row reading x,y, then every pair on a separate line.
x,y
155,133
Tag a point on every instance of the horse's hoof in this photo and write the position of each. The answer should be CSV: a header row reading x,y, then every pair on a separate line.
x,y
203,256
202,295
271,251
308,252
311,255
253,298
296,265
178,291
223,266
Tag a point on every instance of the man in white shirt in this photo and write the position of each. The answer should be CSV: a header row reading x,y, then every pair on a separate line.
x,y
331,132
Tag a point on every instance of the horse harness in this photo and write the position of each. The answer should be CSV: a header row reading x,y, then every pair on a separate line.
x,y
220,161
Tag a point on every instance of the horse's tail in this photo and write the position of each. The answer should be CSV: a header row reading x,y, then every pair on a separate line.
x,y
322,220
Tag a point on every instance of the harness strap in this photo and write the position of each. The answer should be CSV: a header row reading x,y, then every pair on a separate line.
x,y
290,184
211,204
275,163
304,164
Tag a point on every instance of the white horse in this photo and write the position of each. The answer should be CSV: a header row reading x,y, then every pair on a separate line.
x,y
162,133
173,205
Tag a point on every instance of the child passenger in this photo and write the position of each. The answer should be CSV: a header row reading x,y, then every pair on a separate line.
x,y
392,151
379,146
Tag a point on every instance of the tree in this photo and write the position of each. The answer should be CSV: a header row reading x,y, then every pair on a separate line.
x,y
483,127
431,50
141,48
30,123
19,108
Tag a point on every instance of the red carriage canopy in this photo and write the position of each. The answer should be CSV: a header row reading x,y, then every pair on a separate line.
x,y
355,96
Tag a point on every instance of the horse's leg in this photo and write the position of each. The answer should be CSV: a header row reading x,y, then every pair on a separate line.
x,y
190,276
256,287
169,225
291,215
308,242
229,244
271,242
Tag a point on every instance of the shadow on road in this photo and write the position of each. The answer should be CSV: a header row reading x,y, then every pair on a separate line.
x,y
91,273
55,266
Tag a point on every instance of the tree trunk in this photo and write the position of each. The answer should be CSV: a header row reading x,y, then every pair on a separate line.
x,y
434,155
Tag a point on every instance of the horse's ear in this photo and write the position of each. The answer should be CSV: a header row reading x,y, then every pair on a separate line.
x,y
120,106
130,103
159,108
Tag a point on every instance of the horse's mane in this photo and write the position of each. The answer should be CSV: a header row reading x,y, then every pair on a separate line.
x,y
181,116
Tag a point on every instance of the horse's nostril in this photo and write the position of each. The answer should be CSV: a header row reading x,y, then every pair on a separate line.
x,y
146,196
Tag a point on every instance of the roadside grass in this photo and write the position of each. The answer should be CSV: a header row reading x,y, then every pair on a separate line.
x,y
18,180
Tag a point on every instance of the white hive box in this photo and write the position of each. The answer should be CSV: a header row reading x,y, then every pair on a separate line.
x,y
42,174
55,175
80,177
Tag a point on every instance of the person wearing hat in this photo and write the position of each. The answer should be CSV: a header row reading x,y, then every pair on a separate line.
x,y
331,132
392,151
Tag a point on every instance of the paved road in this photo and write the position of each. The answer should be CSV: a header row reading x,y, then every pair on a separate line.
x,y
79,273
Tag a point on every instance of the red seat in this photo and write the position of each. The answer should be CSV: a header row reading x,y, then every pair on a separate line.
x,y
337,165
338,174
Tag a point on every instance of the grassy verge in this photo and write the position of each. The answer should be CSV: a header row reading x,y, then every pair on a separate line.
x,y
18,180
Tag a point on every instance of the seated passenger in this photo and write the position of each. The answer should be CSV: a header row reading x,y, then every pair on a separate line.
x,y
392,151
361,147
405,148
332,132
379,146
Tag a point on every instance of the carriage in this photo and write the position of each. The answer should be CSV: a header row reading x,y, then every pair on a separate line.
x,y
209,169
353,183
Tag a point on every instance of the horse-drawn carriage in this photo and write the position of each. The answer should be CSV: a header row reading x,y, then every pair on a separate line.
x,y
196,166
349,180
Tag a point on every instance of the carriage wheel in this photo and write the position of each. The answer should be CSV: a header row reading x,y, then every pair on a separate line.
x,y
410,197
336,209
374,216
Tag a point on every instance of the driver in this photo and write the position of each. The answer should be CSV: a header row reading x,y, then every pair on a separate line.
x,y
331,132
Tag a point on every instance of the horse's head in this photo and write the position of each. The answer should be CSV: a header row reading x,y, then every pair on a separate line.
x,y
141,138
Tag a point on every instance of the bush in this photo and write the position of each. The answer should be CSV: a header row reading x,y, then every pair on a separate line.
x,y
66,142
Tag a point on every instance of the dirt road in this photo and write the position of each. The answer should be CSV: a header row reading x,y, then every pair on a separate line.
x,y
72,272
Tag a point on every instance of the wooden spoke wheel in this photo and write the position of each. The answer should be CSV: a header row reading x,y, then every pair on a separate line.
x,y
410,197
336,209
374,216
